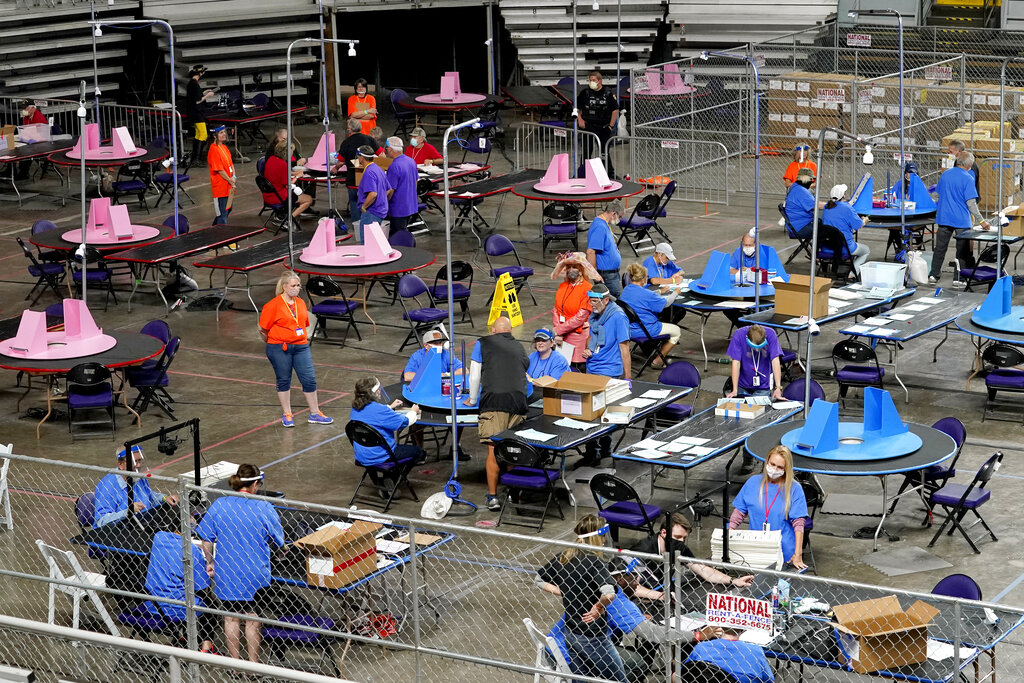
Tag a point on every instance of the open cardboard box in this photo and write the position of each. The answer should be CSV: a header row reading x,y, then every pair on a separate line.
x,y
791,297
878,634
739,409
575,395
620,415
1015,228
338,557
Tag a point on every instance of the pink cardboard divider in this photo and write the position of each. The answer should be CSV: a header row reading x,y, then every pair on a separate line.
x,y
92,141
673,79
324,251
109,225
455,76
79,338
124,146
99,219
653,80
120,223
557,173
318,160
447,88
556,179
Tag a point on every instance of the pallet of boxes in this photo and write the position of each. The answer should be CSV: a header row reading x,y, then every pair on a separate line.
x,y
982,139
800,103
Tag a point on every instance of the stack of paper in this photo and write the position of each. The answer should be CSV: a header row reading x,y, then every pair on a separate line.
x,y
615,390
759,549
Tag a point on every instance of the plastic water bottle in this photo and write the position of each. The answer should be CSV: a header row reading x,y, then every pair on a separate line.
x,y
778,618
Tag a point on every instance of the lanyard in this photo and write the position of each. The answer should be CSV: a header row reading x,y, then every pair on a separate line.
x,y
293,310
543,370
565,297
768,508
756,357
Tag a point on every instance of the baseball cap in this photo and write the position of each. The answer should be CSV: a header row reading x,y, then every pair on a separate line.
x,y
806,173
544,334
599,291
910,167
666,249
838,191
433,336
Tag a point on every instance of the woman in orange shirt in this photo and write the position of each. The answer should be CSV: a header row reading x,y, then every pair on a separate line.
x,y
801,159
571,312
222,175
363,107
283,324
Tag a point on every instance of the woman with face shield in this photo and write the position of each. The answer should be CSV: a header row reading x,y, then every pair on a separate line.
x,y
370,407
571,312
774,501
801,159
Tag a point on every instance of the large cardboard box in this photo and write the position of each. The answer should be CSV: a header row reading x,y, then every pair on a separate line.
x,y
338,557
1015,228
877,634
8,136
791,297
575,395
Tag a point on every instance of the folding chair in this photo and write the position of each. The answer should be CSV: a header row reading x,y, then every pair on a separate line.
x,y
935,477
499,245
279,211
983,274
132,178
636,229
527,474
333,305
548,656
96,271
462,286
5,493
957,500
834,257
151,383
48,275
422,318
680,373
166,181
649,345
394,470
83,585
804,243
1004,374
90,389
626,510
403,117
862,369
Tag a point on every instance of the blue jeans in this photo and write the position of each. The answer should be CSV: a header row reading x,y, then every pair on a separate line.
x,y
297,357
613,279
222,211
354,209
595,657
365,219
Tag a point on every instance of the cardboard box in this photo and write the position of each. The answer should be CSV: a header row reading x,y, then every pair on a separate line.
x,y
574,395
738,409
882,635
620,415
791,297
338,557
8,138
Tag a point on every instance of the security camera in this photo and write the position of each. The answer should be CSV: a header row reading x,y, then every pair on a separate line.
x,y
813,328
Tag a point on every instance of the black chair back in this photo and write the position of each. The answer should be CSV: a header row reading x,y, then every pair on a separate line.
x,y
853,351
610,487
267,187
518,454
648,204
982,477
323,287
366,436
997,355
634,318
87,375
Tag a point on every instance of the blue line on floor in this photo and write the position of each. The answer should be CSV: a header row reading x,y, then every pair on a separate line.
x,y
1008,476
304,450
1013,584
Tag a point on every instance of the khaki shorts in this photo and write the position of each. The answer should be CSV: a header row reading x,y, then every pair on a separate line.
x,y
493,423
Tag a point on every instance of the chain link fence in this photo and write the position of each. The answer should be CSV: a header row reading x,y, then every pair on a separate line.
x,y
353,594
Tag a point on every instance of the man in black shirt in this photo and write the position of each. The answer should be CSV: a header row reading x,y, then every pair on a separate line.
x,y
499,379
672,538
597,112
194,99
346,153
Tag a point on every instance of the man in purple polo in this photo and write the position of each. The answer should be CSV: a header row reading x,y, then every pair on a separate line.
x,y
756,369
402,176
373,191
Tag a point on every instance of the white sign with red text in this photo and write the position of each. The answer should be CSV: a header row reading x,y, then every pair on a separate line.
x,y
858,40
739,612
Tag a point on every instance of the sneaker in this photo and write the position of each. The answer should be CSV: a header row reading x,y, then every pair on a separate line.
x,y
959,284
932,279
319,419
287,420
493,504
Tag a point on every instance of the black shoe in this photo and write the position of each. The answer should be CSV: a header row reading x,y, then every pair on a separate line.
x,y
385,489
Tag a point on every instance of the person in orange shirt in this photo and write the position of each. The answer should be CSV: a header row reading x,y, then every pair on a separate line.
x,y
571,312
363,107
283,324
222,175
801,159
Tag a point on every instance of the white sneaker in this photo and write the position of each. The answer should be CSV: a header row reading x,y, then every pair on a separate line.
x,y
932,279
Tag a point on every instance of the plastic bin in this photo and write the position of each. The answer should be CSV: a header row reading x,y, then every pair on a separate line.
x,y
881,274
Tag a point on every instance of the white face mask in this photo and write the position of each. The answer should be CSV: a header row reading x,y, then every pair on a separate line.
x,y
414,141
749,251
773,472
594,85
361,92
24,113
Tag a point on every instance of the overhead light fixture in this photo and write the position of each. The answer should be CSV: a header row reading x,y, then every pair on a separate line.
x,y
869,158
98,32
852,14
596,5
351,49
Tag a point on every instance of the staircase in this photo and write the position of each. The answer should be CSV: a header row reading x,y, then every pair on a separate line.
x,y
727,23
964,14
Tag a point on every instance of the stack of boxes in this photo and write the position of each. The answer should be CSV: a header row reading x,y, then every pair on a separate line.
x,y
982,138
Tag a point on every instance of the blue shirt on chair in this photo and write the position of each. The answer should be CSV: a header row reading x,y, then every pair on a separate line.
x,y
386,421
647,304
843,218
799,206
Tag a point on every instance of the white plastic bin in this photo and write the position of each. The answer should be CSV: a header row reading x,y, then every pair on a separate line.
x,y
881,274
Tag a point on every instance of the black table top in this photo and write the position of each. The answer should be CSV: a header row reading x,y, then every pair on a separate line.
x,y
986,236
37,149
131,348
53,239
965,323
911,222
893,214
527,191
567,438
260,255
936,447
493,185
69,159
932,318
194,242
530,95
411,103
234,118
411,259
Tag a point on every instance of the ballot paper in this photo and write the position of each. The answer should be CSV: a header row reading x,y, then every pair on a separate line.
x,y
691,302
381,562
799,320
638,402
787,405
463,419
858,329
883,332
916,307
844,294
391,547
565,350
927,300
675,447
698,451
692,440
901,316
839,304
688,622
734,304
650,454
575,424
939,651
534,435
656,393
756,636
876,320
649,443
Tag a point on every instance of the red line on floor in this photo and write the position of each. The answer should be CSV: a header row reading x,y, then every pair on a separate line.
x,y
233,379
41,495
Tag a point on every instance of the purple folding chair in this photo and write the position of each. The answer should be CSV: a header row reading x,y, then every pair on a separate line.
x,y
626,510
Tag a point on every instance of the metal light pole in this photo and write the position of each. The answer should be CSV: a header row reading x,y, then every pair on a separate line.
x,y
95,67
757,164
81,158
327,119
288,117
1002,141
575,87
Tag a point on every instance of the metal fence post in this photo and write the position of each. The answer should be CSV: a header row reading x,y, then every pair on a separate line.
x,y
414,564
185,522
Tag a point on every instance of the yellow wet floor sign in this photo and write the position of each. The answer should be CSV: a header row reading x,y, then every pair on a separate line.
x,y
505,301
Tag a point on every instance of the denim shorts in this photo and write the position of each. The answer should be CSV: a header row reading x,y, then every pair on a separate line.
x,y
297,357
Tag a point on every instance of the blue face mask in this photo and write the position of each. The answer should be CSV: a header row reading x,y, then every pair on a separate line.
x,y
764,342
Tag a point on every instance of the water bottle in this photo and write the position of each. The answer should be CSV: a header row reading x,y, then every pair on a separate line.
x,y
778,619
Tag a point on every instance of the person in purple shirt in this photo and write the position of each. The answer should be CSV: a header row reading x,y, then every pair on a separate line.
x,y
373,191
756,370
402,176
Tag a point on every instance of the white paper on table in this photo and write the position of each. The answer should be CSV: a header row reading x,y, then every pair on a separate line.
x,y
787,405
638,402
656,393
675,447
691,302
470,195
876,320
799,320
757,637
534,435
575,424
650,454
939,651
833,303
843,294
649,443
915,307
856,287
692,440
901,316
686,623
698,451
927,300
464,419
734,304
571,404
883,332
391,547
566,350
857,329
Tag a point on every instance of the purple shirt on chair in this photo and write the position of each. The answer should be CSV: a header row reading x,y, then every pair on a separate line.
x,y
402,176
754,363
374,180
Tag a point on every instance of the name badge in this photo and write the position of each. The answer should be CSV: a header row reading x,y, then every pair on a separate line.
x,y
299,331
756,381
766,527
561,318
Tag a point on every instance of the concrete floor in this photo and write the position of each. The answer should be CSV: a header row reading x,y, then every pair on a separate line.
x,y
222,376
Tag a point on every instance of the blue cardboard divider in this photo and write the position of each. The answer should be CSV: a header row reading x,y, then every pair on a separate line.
x,y
425,387
863,203
917,193
880,414
821,430
716,275
997,311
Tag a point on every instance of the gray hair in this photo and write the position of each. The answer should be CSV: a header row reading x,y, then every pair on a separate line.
x,y
958,145
615,206
965,160
354,126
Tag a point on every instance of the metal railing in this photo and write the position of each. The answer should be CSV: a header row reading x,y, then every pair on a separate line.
x,y
700,168
536,143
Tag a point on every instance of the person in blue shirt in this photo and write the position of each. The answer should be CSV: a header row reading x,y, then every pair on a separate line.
x,y
111,501
840,215
957,210
602,251
544,361
368,407
607,353
433,342
245,530
165,578
744,258
661,266
800,204
648,306
745,662
774,501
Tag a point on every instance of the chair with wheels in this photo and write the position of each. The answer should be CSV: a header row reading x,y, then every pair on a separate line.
x,y
958,586
420,318
78,584
956,500
394,470
462,286
803,243
499,245
636,229
90,390
626,509
861,369
527,474
49,275
680,373
132,179
330,303
1004,375
647,344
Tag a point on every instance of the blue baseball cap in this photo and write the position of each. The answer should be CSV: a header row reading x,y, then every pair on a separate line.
x,y
544,334
218,129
